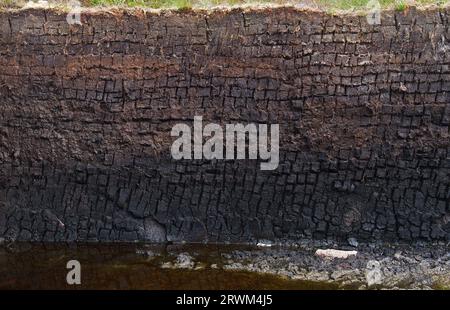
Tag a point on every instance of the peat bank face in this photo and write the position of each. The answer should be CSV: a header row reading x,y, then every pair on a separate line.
x,y
87,112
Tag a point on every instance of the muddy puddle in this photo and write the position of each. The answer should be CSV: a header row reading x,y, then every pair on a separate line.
x,y
133,266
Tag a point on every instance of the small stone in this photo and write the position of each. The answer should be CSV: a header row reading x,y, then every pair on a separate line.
x,y
373,273
264,243
398,255
353,242
331,253
403,87
184,261
167,265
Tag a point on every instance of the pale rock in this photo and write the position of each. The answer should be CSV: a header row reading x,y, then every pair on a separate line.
x,y
38,4
331,253
353,242
374,274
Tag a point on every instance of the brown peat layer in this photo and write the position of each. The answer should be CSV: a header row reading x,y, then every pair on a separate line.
x,y
87,109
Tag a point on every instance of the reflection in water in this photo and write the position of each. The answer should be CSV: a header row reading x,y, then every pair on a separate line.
x,y
130,266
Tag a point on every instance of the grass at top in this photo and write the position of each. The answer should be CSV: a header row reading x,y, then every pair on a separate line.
x,y
326,4
321,4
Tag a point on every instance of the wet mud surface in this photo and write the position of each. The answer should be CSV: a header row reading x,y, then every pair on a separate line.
x,y
199,266
123,266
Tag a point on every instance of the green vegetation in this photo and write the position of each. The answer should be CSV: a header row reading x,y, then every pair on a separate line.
x,y
401,6
9,3
332,5
388,4
178,3
145,3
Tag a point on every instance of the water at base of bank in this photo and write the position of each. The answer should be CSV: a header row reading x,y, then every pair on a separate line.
x,y
200,266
